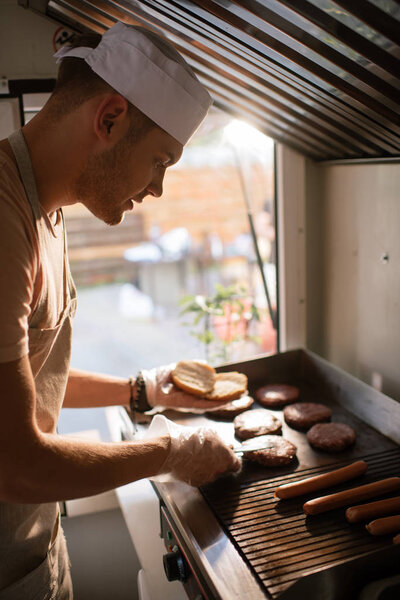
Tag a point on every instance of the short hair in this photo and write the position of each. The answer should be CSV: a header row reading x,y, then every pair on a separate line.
x,y
76,82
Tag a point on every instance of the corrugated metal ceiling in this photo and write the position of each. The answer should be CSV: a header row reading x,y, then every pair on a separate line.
x,y
322,77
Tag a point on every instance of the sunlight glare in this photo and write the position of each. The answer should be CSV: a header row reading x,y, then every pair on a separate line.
x,y
242,135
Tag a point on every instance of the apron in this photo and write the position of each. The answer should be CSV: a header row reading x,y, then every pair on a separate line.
x,y
34,561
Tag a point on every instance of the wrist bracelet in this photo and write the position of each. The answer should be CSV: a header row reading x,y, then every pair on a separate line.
x,y
138,401
131,397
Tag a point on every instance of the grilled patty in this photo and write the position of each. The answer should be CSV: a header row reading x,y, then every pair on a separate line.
x,y
257,422
277,452
331,437
277,395
232,409
303,415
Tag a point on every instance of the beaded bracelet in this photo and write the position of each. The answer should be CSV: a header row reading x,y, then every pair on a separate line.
x,y
138,402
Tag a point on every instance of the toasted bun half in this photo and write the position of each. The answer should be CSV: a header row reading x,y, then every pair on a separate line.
x,y
194,377
228,386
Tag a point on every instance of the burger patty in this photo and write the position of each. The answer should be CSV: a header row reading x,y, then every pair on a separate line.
x,y
277,451
303,415
257,422
331,437
231,409
277,395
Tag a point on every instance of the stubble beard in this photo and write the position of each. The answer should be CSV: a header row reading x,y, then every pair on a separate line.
x,y
100,184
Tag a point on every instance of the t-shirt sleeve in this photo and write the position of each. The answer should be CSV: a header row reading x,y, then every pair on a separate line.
x,y
16,271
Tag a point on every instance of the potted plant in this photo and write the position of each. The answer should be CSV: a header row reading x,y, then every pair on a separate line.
x,y
222,322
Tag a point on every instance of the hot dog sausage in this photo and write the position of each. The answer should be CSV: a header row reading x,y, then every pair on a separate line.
x,y
311,484
373,510
396,539
384,526
363,492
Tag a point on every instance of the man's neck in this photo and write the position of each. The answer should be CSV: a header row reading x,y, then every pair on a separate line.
x,y
58,152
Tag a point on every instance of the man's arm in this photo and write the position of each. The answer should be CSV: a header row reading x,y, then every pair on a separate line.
x,y
37,466
90,390
41,467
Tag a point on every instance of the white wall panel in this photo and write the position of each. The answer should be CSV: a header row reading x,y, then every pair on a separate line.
x,y
291,247
359,281
26,43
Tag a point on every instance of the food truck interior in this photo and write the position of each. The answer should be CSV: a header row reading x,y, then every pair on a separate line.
x,y
318,81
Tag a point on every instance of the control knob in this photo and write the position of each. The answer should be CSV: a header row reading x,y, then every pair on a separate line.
x,y
174,565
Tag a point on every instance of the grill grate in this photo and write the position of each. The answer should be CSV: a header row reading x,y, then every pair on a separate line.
x,y
278,541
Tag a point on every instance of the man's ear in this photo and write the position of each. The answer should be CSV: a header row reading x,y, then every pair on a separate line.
x,y
111,122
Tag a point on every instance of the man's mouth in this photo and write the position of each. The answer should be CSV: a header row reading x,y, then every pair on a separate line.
x,y
137,199
131,203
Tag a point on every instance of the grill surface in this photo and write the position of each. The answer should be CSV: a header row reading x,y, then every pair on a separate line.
x,y
276,538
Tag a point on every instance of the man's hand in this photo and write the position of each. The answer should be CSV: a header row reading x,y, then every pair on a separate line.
x,y
196,456
161,391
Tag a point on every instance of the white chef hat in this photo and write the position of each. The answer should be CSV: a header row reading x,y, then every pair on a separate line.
x,y
165,90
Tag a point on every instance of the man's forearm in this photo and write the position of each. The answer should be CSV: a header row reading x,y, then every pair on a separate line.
x,y
90,390
39,466
54,467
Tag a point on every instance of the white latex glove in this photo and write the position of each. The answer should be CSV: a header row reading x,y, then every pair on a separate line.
x,y
161,392
196,456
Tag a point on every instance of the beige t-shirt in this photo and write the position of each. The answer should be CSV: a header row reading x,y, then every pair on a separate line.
x,y
23,266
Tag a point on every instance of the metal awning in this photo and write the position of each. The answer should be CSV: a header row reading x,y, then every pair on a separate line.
x,y
322,77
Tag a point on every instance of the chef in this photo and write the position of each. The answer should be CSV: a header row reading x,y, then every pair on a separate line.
x,y
123,108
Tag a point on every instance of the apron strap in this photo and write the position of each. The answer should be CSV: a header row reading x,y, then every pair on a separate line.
x,y
21,152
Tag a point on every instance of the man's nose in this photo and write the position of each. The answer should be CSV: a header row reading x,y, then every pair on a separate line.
x,y
155,188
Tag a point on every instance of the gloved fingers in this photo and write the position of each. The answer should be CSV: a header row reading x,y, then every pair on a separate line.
x,y
204,476
199,478
200,456
155,380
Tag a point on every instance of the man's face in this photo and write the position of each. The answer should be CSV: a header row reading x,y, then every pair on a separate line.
x,y
111,182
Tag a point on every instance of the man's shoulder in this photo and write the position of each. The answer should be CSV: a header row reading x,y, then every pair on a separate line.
x,y
9,175
17,227
7,161
12,192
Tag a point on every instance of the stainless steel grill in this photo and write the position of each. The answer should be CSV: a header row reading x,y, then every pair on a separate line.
x,y
240,542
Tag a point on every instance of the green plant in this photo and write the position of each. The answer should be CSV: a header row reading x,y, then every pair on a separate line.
x,y
220,320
